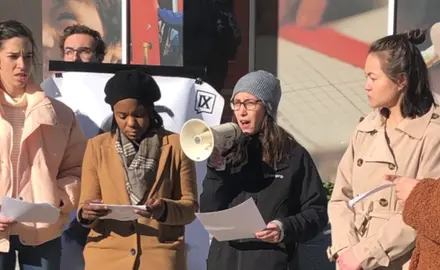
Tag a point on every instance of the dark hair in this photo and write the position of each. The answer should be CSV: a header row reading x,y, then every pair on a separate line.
x,y
400,58
100,46
156,120
12,29
276,143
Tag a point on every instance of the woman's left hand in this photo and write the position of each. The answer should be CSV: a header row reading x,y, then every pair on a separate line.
x,y
347,261
404,185
270,234
155,209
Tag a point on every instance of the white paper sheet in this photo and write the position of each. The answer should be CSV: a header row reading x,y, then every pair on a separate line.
x,y
360,197
239,222
122,212
22,211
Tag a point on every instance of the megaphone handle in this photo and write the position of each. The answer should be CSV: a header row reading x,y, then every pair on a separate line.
x,y
221,167
217,166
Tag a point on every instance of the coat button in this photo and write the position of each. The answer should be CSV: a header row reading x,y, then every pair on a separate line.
x,y
132,251
434,116
359,162
391,166
383,202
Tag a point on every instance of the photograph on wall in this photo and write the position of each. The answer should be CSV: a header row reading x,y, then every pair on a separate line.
x,y
321,48
104,16
423,14
156,31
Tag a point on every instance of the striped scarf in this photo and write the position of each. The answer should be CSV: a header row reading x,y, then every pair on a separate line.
x,y
140,163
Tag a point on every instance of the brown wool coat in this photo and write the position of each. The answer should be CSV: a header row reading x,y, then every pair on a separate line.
x,y
147,243
422,212
374,229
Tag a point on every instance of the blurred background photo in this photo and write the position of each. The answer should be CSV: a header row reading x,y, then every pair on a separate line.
x,y
135,31
423,14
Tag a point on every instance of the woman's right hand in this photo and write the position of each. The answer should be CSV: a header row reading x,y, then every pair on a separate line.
x,y
216,160
5,223
91,212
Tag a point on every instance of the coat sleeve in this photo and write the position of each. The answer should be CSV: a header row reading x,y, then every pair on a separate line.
x,y
341,217
181,211
90,188
395,238
312,216
218,191
70,169
422,209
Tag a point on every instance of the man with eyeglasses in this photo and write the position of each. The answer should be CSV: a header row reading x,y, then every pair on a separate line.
x,y
80,43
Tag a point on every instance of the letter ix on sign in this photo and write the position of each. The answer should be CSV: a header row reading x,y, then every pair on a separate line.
x,y
205,102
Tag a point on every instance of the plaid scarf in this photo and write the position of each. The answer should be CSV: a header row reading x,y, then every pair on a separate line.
x,y
140,163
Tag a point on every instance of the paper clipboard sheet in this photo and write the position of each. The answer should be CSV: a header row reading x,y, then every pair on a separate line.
x,y
22,211
239,222
358,198
121,212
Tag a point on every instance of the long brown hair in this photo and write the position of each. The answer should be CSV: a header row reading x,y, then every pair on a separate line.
x,y
276,143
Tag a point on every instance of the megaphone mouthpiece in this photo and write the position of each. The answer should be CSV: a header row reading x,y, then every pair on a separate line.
x,y
205,137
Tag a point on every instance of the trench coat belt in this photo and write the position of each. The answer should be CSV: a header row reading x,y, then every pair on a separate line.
x,y
364,217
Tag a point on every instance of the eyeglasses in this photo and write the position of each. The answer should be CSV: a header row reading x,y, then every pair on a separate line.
x,y
248,104
85,53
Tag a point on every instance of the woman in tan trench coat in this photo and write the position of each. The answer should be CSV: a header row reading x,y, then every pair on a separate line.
x,y
137,163
401,136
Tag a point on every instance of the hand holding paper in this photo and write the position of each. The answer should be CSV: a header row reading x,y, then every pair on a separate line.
x,y
119,212
270,234
5,223
154,209
93,209
404,185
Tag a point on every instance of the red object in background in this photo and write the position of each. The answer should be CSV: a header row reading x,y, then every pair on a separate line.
x,y
240,65
144,32
328,42
180,6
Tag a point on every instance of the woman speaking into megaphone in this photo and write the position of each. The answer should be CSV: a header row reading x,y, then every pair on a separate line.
x,y
272,168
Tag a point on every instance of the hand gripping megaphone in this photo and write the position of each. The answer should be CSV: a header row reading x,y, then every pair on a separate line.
x,y
198,140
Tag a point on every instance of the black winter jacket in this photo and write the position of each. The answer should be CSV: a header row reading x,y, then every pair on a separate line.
x,y
292,193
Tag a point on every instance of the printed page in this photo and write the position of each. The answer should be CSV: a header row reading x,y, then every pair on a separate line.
x,y
239,222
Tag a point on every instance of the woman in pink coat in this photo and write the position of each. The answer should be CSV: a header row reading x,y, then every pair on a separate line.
x,y
41,151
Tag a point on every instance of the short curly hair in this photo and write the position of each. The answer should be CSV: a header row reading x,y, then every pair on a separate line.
x,y
101,47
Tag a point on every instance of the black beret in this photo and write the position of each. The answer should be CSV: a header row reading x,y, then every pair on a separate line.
x,y
135,84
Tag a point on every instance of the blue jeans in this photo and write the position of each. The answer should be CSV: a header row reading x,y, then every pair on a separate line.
x,y
46,256
73,241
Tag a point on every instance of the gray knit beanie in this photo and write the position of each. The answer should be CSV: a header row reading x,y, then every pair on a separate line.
x,y
264,86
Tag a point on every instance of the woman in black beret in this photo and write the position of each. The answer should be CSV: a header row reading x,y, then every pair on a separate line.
x,y
138,163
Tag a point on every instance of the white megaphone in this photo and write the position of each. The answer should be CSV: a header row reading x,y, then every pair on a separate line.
x,y
198,140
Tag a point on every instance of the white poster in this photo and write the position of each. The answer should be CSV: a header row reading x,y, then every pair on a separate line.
x,y
182,99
